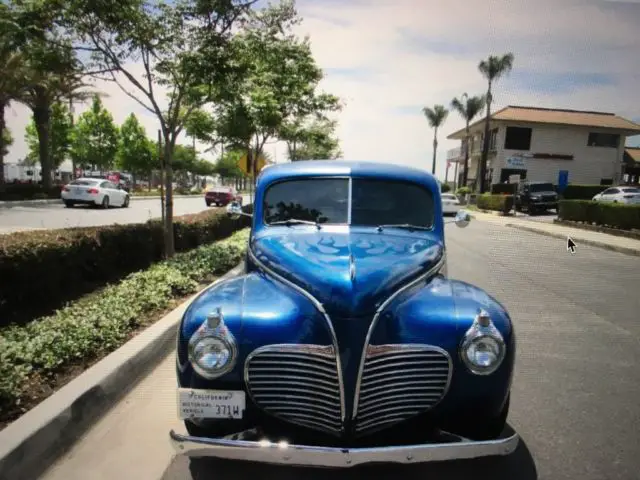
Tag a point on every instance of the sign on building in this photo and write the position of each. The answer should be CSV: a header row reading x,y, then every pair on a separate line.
x,y
516,162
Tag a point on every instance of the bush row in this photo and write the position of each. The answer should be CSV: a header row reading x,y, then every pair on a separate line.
x,y
27,191
613,215
582,192
40,270
501,203
104,321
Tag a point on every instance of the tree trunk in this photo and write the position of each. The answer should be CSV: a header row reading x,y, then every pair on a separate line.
x,y
435,148
466,158
41,118
485,145
169,245
2,145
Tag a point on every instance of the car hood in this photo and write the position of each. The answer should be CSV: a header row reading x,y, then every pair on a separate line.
x,y
349,272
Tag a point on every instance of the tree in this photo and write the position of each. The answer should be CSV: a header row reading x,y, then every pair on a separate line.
x,y
278,82
95,138
492,69
51,69
436,117
7,141
312,141
182,46
12,78
135,153
468,108
227,165
60,133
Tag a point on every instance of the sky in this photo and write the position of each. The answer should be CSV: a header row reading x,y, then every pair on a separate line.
x,y
387,59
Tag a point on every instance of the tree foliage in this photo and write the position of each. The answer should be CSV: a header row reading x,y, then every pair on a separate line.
x,y
314,141
7,141
436,117
95,138
59,138
227,165
135,153
277,83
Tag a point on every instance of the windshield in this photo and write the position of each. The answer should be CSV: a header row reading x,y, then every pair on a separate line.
x,y
541,187
631,190
326,200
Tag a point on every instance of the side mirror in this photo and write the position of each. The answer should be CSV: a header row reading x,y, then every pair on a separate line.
x,y
234,208
462,218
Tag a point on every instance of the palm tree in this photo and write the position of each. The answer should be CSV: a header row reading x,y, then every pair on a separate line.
x,y
492,69
468,108
436,117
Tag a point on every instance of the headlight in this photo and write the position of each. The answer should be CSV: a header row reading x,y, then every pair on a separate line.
x,y
483,347
212,348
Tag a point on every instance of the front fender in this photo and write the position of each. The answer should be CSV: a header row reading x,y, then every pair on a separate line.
x,y
258,311
439,313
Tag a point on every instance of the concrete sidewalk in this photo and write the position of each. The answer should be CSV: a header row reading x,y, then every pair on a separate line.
x,y
597,239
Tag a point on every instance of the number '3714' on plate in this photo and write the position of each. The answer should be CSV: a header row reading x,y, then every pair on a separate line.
x,y
194,403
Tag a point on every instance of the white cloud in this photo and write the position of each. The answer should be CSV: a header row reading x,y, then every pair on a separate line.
x,y
388,58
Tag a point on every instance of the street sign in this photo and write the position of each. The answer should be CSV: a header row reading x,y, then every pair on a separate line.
x,y
516,162
563,180
245,168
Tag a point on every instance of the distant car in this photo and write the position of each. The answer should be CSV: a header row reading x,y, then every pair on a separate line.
x,y
626,195
534,197
221,196
95,192
450,204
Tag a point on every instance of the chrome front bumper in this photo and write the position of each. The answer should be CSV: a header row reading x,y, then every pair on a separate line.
x,y
303,455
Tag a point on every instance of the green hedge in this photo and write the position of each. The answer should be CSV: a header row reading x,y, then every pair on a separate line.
x,y
27,191
501,203
445,187
582,192
613,215
40,270
102,322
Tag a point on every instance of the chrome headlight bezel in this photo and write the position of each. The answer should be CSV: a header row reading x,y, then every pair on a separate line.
x,y
213,329
482,328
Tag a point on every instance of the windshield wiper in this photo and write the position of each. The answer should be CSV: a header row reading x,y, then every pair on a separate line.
x,y
408,226
296,221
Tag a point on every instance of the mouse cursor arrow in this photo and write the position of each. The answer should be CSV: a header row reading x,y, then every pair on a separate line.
x,y
571,245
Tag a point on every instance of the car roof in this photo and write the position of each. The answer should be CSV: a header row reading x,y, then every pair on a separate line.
x,y
329,168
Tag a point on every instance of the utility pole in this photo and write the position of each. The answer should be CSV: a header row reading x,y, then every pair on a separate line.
x,y
73,162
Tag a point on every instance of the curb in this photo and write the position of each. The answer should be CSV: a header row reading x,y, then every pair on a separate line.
x,y
592,243
26,203
32,443
633,235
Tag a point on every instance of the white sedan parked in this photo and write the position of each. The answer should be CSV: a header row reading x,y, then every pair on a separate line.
x,y
627,195
94,192
450,204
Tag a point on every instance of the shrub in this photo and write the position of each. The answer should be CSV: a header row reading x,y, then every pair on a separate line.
x,y
581,192
501,203
445,187
463,191
27,191
103,322
614,215
40,270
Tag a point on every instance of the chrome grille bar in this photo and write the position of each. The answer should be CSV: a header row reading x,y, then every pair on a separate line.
x,y
297,383
398,382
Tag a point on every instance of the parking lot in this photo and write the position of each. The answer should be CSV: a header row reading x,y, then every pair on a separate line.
x,y
56,215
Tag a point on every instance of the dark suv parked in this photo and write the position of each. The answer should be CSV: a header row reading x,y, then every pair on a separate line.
x,y
534,197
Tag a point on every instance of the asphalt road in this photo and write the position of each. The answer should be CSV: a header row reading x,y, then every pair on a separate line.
x,y
575,394
50,216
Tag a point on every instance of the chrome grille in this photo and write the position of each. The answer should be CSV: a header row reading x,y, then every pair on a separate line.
x,y
297,383
400,381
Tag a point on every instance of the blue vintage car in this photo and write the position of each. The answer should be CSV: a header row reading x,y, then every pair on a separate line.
x,y
343,341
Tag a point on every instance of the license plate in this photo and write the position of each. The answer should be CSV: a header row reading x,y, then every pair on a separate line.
x,y
77,190
210,403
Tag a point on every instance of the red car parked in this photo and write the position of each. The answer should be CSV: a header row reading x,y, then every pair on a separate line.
x,y
221,196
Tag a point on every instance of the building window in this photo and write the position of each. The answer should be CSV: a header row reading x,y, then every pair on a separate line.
x,y
610,140
517,138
